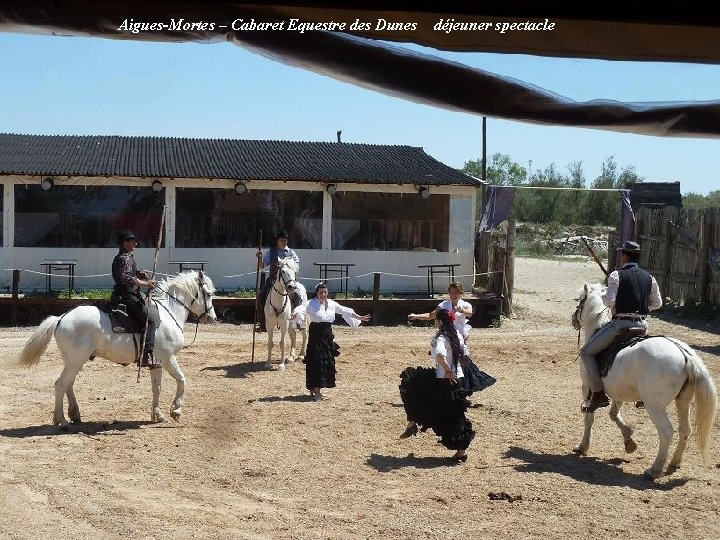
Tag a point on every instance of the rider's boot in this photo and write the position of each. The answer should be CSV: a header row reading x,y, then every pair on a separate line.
x,y
597,400
149,360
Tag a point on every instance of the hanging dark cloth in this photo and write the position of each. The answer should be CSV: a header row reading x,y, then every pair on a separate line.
x,y
498,205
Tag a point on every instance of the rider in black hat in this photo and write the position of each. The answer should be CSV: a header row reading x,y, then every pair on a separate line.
x,y
631,293
127,290
270,259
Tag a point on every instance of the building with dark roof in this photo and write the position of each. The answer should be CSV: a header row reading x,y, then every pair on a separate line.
x,y
360,204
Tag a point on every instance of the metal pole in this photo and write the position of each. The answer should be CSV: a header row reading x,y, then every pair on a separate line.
x,y
484,150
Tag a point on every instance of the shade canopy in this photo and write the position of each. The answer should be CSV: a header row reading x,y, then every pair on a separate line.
x,y
357,48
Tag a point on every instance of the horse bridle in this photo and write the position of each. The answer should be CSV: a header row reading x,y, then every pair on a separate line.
x,y
577,319
201,288
279,277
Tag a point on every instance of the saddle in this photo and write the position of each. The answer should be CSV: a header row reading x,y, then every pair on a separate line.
x,y
119,319
122,322
626,338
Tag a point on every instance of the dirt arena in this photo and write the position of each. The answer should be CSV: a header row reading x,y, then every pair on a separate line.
x,y
253,457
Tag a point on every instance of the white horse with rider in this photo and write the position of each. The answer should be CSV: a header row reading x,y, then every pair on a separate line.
x,y
655,371
86,332
278,310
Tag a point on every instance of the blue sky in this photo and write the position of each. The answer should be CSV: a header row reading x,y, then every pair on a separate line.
x,y
88,86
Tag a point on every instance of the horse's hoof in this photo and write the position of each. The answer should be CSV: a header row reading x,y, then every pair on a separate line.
x,y
651,475
175,415
672,468
158,417
76,420
281,367
630,446
579,450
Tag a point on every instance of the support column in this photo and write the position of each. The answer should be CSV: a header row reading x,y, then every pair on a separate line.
x,y
7,259
327,222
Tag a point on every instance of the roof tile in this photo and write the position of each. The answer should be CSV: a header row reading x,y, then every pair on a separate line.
x,y
235,159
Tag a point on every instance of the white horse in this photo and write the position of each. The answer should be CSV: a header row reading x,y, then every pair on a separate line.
x,y
656,371
298,324
85,332
278,308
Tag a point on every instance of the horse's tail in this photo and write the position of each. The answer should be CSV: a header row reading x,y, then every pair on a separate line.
x,y
705,403
38,342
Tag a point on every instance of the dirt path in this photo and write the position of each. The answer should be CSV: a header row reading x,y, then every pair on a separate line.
x,y
254,458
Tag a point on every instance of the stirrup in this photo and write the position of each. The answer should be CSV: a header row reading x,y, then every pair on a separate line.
x,y
148,360
596,400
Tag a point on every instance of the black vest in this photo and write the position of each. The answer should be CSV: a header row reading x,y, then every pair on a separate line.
x,y
634,291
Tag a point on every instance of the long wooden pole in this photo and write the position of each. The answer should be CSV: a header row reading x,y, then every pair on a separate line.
x,y
257,287
147,298
592,252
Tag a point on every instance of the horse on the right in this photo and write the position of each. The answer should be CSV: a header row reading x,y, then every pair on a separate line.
x,y
655,371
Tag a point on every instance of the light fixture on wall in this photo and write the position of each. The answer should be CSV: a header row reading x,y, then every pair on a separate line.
x,y
240,188
424,192
47,184
331,189
157,186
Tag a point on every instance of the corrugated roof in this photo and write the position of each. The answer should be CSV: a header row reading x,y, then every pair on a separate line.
x,y
236,159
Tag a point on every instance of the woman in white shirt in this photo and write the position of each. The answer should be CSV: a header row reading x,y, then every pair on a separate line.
x,y
321,347
435,397
475,379
462,309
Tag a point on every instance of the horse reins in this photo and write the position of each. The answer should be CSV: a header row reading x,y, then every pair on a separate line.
x,y
577,319
281,278
201,283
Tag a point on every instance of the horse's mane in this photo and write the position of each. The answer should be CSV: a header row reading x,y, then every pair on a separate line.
x,y
593,301
186,282
289,261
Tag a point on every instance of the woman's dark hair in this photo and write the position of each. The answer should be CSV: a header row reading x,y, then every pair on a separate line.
x,y
447,329
320,286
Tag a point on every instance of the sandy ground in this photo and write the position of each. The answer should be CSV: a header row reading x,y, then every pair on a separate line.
x,y
254,458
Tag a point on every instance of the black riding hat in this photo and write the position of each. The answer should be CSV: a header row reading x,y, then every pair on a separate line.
x,y
629,247
282,233
125,234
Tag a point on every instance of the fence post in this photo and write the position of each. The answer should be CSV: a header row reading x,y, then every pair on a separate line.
x,y
612,253
667,259
483,247
15,295
703,259
376,297
509,268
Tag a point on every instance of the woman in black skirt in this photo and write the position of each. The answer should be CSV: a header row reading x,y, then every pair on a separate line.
x,y
435,397
321,347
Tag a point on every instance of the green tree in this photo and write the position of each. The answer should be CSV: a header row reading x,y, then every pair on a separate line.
x,y
541,206
501,171
603,208
695,201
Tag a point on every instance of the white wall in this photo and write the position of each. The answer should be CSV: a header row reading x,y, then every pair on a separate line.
x,y
224,266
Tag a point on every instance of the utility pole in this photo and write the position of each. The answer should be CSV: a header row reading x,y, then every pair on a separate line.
x,y
484,150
